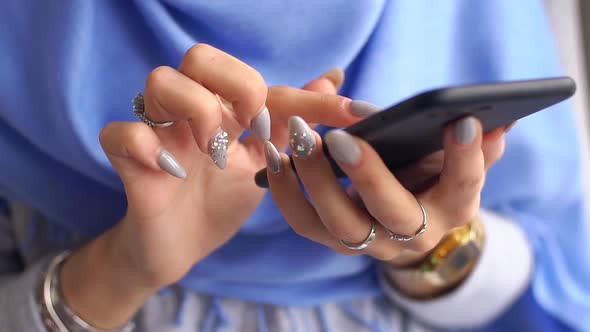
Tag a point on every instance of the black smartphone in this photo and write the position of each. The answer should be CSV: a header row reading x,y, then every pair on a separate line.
x,y
413,128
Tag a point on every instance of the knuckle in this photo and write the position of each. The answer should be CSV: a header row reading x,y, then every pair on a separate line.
x,y
158,78
461,216
208,110
253,89
325,99
346,234
199,51
135,136
470,182
106,133
370,182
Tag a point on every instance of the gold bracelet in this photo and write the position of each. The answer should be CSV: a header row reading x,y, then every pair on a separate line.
x,y
445,267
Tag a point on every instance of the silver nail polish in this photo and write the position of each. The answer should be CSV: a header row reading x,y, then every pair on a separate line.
x,y
363,109
342,146
218,148
465,131
301,138
273,158
261,124
168,163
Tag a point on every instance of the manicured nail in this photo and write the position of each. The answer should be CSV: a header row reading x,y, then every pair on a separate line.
x,y
363,109
218,148
342,146
168,163
336,76
273,158
301,137
465,130
261,124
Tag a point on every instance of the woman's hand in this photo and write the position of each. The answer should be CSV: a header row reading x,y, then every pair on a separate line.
x,y
334,214
174,222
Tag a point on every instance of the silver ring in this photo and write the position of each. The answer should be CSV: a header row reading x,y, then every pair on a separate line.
x,y
138,110
422,229
365,243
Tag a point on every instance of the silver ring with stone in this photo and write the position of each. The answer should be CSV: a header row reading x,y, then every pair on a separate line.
x,y
360,246
422,229
139,111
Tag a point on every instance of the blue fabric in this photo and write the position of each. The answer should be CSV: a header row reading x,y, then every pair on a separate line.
x,y
69,67
525,315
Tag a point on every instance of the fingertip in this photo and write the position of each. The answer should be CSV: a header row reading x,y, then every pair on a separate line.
x,y
261,124
168,163
335,76
363,109
493,135
273,158
465,132
343,147
302,139
217,148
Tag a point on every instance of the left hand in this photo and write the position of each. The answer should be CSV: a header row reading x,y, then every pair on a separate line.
x,y
332,213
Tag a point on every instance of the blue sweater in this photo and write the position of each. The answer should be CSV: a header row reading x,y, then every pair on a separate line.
x,y
69,67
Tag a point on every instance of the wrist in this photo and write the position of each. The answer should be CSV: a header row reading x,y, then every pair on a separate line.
x,y
100,287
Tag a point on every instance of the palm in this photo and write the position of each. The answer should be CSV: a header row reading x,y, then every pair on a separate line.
x,y
194,216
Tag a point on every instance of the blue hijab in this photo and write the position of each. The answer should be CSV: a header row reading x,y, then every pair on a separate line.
x,y
70,67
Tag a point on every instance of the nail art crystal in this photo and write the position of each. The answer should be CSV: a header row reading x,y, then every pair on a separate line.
x,y
218,148
302,140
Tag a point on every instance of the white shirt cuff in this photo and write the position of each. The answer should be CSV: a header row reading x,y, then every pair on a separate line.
x,y
501,275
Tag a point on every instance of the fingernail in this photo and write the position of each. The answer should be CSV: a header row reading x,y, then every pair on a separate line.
x,y
363,109
218,148
336,76
168,163
465,131
273,158
342,146
261,124
302,140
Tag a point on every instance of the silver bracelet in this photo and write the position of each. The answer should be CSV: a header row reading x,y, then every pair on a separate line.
x,y
57,315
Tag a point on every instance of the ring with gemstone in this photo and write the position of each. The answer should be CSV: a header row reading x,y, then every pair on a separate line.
x,y
360,246
139,111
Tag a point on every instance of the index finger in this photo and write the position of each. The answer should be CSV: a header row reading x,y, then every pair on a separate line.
x,y
228,77
315,107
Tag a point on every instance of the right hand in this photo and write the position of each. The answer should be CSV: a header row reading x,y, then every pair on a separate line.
x,y
171,223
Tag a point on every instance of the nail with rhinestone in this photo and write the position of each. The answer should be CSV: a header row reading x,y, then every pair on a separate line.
x,y
218,148
301,138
